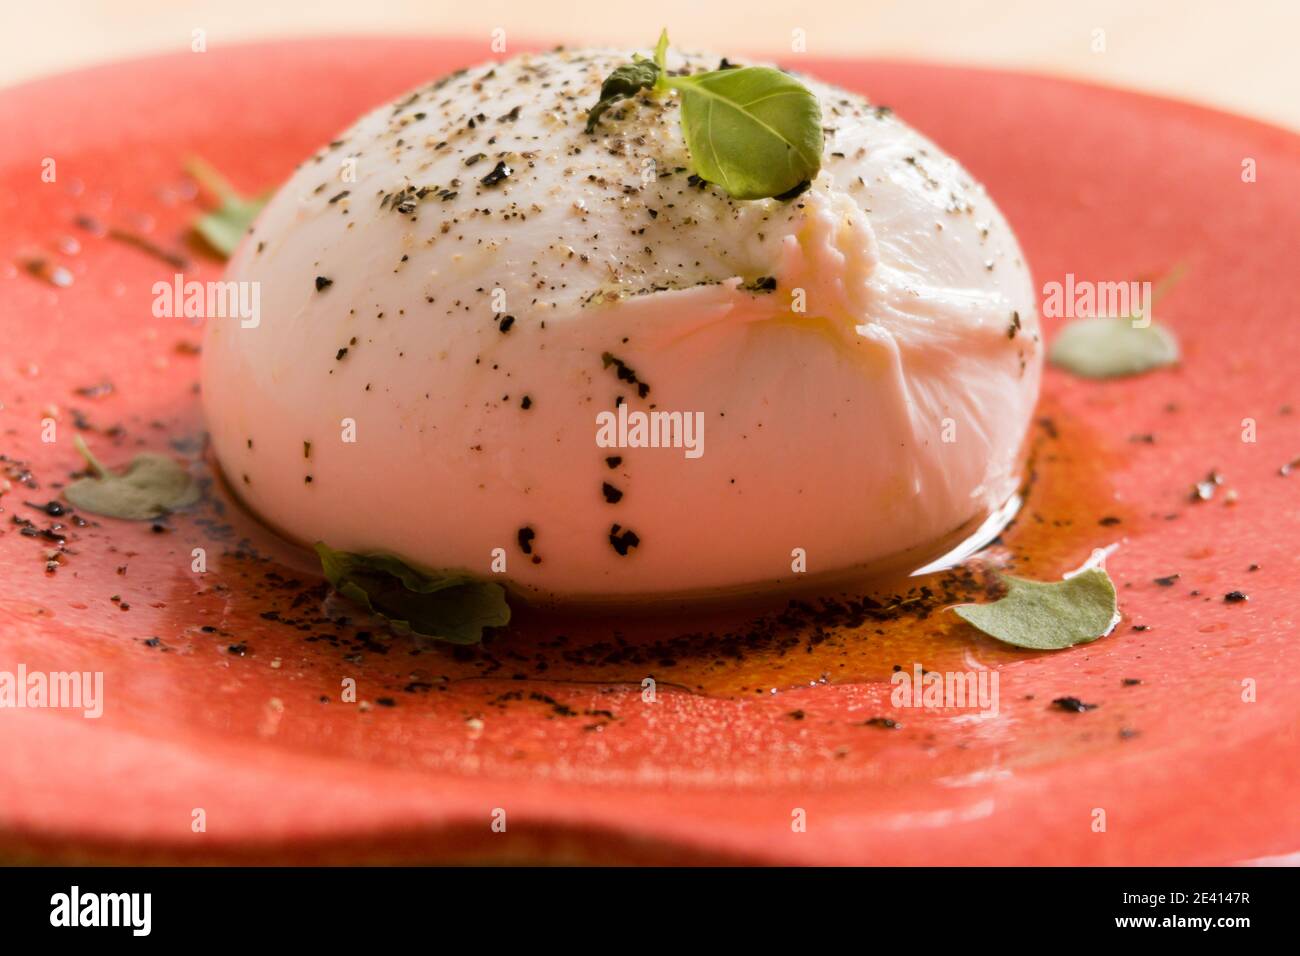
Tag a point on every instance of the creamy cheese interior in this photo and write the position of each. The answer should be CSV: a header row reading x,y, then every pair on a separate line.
x,y
454,291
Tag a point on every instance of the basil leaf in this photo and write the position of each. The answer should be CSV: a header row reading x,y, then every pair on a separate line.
x,y
754,131
448,607
1112,347
226,226
151,486
624,82
661,51
1048,616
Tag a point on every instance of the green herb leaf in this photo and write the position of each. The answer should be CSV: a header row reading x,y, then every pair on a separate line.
x,y
151,486
1112,347
624,82
661,51
226,226
755,131
448,607
1048,616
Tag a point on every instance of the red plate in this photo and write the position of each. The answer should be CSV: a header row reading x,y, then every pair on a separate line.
x,y
1187,766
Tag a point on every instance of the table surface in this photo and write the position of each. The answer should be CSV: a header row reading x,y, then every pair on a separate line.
x,y
1234,55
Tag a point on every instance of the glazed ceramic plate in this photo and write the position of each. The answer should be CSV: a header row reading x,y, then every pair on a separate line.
x,y
226,734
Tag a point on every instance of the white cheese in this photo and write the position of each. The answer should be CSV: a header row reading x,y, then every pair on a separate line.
x,y
863,359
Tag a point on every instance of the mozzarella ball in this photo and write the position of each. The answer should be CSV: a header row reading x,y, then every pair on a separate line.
x,y
489,338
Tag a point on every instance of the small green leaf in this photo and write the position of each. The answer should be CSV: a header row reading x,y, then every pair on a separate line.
x,y
151,486
446,606
661,51
1112,347
624,82
226,226
755,131
223,228
1048,616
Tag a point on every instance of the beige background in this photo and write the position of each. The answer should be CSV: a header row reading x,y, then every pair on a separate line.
x,y
1239,55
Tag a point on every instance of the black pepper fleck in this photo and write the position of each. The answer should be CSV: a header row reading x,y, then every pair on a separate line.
x,y
500,172
623,540
1072,704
